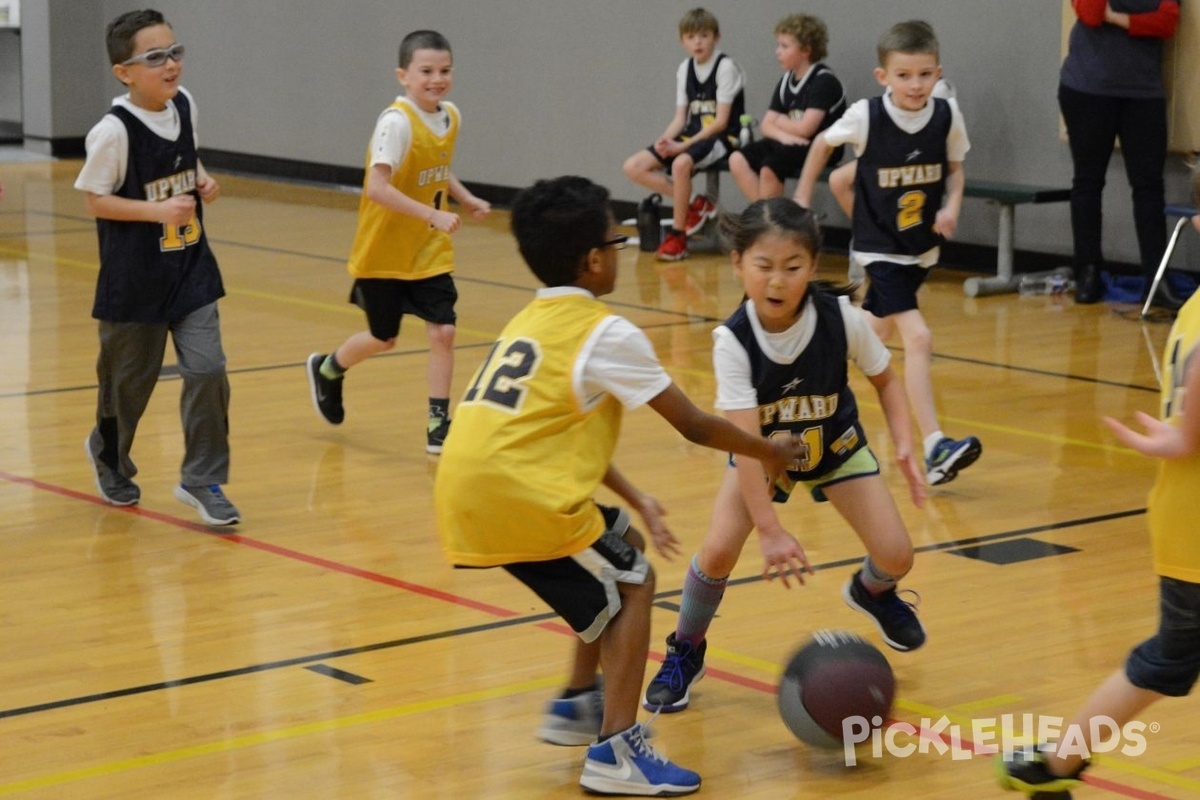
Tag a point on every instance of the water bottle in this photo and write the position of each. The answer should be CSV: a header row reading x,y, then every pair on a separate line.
x,y
746,136
1054,284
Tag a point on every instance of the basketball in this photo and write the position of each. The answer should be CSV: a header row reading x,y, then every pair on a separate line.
x,y
835,676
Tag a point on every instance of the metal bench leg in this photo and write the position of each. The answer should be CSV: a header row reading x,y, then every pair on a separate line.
x,y
1162,266
1005,241
1003,282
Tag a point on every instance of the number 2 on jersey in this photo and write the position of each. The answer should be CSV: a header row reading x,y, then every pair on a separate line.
x,y
912,206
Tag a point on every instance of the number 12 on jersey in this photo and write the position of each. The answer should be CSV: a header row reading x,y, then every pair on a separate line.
x,y
501,380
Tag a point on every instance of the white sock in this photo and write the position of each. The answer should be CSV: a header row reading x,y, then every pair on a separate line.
x,y
931,441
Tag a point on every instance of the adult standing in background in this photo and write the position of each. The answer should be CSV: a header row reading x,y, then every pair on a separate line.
x,y
1111,87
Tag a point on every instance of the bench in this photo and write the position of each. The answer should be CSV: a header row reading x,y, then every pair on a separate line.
x,y
1006,195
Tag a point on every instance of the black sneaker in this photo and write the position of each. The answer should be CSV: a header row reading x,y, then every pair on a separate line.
x,y
895,618
1026,772
436,437
115,488
681,668
326,393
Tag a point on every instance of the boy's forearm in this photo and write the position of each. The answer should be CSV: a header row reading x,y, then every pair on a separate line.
x,y
956,183
616,481
122,209
460,192
818,157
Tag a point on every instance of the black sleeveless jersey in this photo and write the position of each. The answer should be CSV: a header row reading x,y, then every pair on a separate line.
x,y
810,397
702,103
149,271
900,183
820,88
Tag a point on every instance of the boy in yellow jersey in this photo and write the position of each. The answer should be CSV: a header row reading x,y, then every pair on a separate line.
x,y
1168,663
534,436
402,258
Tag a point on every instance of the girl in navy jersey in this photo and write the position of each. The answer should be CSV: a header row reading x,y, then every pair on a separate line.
x,y
780,362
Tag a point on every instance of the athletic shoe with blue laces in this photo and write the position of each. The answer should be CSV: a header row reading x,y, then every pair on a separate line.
x,y
669,691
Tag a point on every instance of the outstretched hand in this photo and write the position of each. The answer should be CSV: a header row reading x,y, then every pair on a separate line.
x,y
783,557
915,476
652,513
787,449
1161,439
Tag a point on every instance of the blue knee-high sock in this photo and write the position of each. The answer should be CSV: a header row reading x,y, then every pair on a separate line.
x,y
701,597
875,580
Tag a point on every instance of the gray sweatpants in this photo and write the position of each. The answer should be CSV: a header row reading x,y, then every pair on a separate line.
x,y
131,357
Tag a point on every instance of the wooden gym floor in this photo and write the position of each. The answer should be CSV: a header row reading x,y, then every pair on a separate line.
x,y
324,649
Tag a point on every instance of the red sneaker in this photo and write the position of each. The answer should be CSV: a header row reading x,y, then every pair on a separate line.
x,y
700,211
673,248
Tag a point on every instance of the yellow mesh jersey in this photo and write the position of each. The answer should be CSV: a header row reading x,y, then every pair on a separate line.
x,y
392,245
1172,507
523,459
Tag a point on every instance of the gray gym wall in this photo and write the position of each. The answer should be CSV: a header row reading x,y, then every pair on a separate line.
x,y
567,86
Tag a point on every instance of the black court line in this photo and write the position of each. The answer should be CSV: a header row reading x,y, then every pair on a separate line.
x,y
308,661
459,277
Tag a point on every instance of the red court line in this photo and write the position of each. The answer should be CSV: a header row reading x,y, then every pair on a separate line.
x,y
224,534
436,594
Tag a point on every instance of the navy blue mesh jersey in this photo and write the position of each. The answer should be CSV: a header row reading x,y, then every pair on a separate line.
x,y
149,271
702,103
810,397
900,183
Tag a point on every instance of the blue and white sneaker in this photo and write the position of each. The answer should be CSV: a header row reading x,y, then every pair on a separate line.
x,y
626,764
949,456
574,721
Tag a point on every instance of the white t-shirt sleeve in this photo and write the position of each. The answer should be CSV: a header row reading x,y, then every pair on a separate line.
x,y
957,143
731,365
863,347
391,139
618,359
730,81
107,145
681,98
851,128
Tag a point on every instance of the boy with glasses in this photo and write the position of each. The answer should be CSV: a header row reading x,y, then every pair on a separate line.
x,y
535,434
157,274
402,257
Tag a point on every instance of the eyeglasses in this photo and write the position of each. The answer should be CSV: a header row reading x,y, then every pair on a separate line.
x,y
156,58
618,242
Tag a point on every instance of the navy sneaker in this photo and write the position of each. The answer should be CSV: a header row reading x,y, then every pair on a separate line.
x,y
669,691
949,456
896,618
